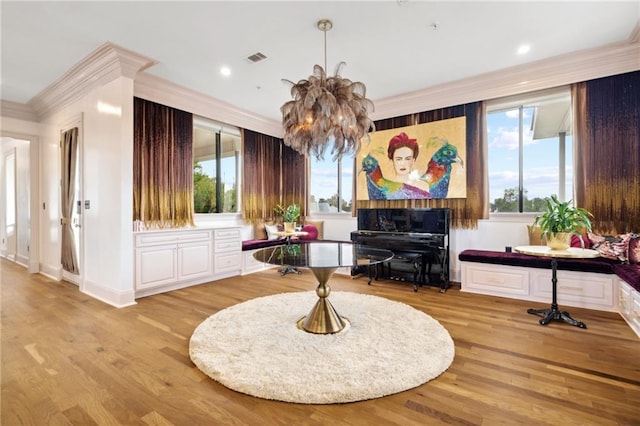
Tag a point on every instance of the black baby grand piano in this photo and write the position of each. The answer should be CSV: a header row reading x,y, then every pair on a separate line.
x,y
419,239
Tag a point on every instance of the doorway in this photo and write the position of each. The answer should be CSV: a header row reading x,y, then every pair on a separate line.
x,y
18,198
9,240
71,205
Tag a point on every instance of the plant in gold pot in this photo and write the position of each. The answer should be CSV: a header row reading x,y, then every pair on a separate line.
x,y
560,221
290,216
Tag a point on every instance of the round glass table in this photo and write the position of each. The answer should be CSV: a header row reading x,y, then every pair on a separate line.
x,y
322,258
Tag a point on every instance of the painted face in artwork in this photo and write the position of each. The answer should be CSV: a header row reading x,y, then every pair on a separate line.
x,y
403,161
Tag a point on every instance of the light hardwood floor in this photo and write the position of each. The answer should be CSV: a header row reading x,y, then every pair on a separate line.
x,y
70,359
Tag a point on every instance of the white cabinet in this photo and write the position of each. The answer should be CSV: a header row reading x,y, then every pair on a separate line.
x,y
584,290
250,264
227,250
580,289
629,304
156,266
168,258
497,280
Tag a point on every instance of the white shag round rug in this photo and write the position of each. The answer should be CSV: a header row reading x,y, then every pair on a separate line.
x,y
256,348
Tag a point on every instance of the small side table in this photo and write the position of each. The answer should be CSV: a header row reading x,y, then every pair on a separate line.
x,y
288,235
553,313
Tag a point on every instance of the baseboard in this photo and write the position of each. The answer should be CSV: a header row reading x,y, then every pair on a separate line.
x,y
109,296
53,272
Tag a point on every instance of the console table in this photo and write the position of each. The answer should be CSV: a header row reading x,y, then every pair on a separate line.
x,y
322,258
553,313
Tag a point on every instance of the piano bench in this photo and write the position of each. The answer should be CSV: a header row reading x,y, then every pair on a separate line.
x,y
401,264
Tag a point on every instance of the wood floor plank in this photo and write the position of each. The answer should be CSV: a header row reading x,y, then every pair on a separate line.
x,y
70,359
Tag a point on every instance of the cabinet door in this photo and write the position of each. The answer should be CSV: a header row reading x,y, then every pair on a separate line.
x,y
195,260
156,266
229,262
580,289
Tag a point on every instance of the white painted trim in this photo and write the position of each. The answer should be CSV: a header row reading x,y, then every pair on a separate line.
x,y
53,272
156,89
22,260
11,109
612,59
107,295
110,61
34,196
103,65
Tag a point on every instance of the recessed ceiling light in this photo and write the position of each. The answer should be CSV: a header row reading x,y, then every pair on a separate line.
x,y
226,71
525,48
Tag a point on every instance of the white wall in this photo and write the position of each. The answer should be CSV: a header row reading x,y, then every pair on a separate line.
x,y
107,158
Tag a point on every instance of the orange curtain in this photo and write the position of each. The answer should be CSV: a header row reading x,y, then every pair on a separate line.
x,y
162,166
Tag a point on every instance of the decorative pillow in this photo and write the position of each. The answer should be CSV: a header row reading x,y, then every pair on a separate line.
x,y
575,241
319,224
535,236
259,231
634,249
312,232
614,247
271,230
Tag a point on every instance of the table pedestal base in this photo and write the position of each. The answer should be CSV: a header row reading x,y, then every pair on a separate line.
x,y
554,314
323,318
288,269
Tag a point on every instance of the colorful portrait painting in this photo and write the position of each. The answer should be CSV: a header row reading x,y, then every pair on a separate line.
x,y
414,162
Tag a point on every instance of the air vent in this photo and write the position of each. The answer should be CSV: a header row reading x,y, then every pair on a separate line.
x,y
257,57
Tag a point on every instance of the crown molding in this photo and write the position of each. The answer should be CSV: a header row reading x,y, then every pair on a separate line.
x,y
16,110
612,59
156,89
103,65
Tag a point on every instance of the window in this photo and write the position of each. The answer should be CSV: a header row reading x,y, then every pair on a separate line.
x,y
530,151
216,167
329,182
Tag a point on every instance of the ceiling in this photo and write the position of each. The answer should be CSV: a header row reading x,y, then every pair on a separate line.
x,y
394,47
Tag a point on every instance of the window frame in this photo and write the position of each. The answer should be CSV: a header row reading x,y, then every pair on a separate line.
x,y
523,101
218,128
339,185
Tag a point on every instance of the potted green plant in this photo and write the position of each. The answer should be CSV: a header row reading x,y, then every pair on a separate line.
x,y
290,216
278,211
560,221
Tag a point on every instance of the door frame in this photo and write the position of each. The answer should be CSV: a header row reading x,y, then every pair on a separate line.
x,y
34,196
10,239
67,276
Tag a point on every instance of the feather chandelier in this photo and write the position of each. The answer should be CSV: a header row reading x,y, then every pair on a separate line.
x,y
326,111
